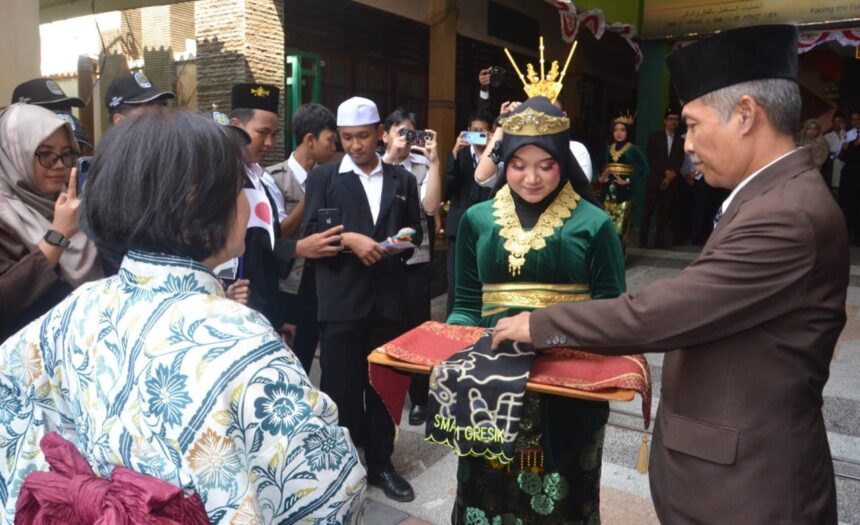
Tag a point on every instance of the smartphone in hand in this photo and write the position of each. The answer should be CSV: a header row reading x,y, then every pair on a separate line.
x,y
83,167
329,218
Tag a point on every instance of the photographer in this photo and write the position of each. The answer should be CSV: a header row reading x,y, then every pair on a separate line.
x,y
43,255
415,151
490,77
461,190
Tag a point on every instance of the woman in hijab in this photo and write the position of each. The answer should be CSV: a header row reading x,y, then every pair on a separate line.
x,y
812,138
43,255
543,239
623,165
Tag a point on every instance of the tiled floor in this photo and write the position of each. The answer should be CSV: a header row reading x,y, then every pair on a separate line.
x,y
625,496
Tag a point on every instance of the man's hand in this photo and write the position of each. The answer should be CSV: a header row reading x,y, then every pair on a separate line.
x,y
368,251
323,244
239,291
460,144
484,78
514,328
398,149
668,177
288,334
509,107
430,150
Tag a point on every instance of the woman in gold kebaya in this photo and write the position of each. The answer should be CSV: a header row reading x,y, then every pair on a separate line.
x,y
623,166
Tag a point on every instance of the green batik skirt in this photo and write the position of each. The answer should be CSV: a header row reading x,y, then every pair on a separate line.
x,y
555,476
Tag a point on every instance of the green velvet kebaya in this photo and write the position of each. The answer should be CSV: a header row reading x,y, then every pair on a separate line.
x,y
571,253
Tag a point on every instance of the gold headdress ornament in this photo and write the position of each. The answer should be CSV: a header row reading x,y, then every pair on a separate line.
x,y
531,123
546,84
626,118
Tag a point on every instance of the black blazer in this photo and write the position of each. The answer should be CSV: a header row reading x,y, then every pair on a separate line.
x,y
660,160
461,189
346,289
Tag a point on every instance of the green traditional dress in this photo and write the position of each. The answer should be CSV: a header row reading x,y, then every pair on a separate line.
x,y
617,199
572,253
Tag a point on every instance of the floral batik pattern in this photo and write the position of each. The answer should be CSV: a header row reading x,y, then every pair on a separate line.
x,y
154,370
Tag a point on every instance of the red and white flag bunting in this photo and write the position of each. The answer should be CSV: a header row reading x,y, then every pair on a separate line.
x,y
811,39
572,19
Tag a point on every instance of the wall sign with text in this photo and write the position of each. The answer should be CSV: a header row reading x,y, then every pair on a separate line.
x,y
665,18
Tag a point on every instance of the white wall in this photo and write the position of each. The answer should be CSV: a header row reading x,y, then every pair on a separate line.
x,y
19,45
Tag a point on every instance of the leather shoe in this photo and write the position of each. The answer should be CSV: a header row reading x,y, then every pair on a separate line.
x,y
391,483
417,416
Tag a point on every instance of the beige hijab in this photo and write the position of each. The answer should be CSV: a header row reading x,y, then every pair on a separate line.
x,y
23,209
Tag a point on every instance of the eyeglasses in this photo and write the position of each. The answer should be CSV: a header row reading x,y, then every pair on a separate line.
x,y
48,159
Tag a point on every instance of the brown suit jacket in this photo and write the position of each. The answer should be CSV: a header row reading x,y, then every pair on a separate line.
x,y
739,436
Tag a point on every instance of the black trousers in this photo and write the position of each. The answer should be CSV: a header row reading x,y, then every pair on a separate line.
x,y
660,201
682,212
849,201
418,291
344,347
301,311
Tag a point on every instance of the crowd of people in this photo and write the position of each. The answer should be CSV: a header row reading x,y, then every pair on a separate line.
x,y
162,307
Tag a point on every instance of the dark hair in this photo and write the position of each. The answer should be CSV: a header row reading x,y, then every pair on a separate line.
x,y
839,114
483,115
399,116
163,181
312,118
243,115
854,112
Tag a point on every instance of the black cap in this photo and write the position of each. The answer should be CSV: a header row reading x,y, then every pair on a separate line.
x,y
671,110
732,57
44,92
77,127
256,96
224,120
133,89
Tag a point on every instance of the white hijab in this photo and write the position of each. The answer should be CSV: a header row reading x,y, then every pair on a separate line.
x,y
23,209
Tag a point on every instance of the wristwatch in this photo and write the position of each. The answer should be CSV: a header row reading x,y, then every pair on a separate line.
x,y
55,238
496,153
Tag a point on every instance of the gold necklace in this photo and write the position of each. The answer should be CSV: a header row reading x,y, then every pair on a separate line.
x,y
617,153
519,242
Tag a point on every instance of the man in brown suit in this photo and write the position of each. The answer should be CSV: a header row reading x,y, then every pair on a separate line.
x,y
750,325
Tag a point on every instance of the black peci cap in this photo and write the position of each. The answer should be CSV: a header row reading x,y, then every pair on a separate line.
x,y
256,96
732,57
133,89
45,92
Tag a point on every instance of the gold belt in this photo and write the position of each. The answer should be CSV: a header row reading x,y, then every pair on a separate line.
x,y
497,298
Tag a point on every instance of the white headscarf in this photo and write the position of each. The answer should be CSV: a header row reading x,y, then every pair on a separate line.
x,y
25,211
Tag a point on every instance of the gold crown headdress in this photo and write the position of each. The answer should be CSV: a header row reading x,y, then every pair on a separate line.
x,y
544,85
626,118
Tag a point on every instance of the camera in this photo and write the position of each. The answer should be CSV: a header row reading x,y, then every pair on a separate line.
x,y
497,75
414,137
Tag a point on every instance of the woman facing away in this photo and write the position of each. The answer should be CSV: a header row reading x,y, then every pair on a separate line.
x,y
623,165
154,369
43,255
537,242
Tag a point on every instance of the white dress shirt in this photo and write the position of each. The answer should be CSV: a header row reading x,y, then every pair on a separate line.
x,y
744,182
372,183
670,139
299,172
411,160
